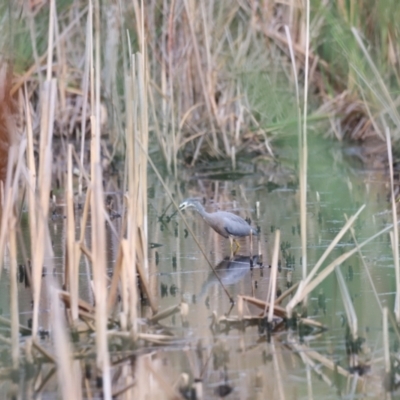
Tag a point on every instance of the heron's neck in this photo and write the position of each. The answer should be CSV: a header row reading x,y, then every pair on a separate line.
x,y
200,209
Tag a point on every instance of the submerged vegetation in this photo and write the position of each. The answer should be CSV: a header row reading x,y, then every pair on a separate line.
x,y
91,95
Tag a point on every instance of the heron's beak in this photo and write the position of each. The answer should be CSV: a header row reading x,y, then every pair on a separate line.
x,y
181,207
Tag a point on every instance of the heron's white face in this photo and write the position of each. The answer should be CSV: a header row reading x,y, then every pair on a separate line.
x,y
185,204
194,203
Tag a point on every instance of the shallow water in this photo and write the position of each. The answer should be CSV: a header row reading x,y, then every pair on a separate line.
x,y
238,362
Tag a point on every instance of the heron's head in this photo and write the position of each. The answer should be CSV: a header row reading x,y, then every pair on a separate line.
x,y
194,203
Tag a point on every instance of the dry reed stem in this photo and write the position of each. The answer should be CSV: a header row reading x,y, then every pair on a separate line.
x,y
97,215
175,136
99,271
153,338
85,87
277,370
67,369
6,341
14,310
124,291
50,40
86,252
312,323
165,313
385,338
112,293
273,277
129,256
30,175
286,293
166,387
7,204
43,383
395,237
143,137
311,364
123,390
40,241
348,304
394,324
129,276
278,311
85,216
304,152
43,351
23,330
146,288
30,157
71,266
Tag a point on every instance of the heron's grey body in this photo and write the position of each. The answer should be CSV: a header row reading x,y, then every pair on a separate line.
x,y
225,223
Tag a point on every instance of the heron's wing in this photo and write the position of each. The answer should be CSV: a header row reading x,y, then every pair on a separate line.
x,y
236,226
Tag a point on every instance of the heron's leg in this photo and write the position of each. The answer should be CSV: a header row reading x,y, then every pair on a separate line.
x,y
251,249
237,247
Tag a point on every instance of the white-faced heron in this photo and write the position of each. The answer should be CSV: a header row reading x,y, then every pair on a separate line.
x,y
225,223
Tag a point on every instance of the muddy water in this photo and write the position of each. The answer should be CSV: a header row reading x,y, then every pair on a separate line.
x,y
240,362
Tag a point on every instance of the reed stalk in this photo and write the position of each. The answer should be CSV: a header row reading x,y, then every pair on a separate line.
x,y
385,338
97,218
14,310
72,261
273,277
142,168
348,304
85,88
304,151
99,279
395,235
134,249
171,75
130,280
67,369
277,370
40,241
307,360
302,135
6,204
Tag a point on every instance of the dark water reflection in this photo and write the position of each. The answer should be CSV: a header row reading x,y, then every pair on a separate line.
x,y
241,363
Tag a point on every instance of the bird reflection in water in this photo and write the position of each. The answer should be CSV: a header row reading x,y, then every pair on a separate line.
x,y
230,271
